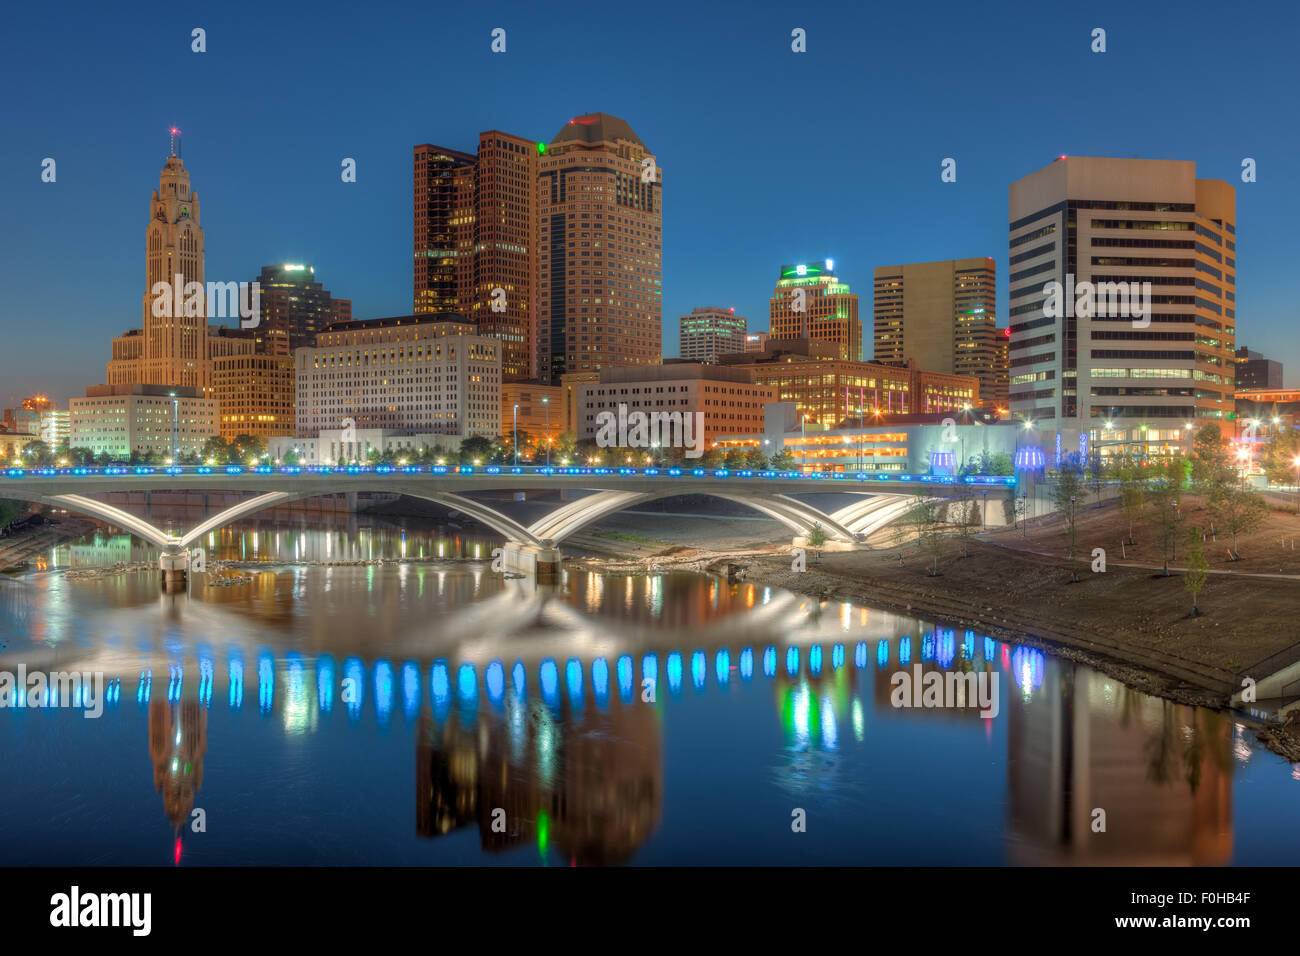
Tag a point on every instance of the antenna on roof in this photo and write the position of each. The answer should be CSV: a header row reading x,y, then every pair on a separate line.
x,y
176,142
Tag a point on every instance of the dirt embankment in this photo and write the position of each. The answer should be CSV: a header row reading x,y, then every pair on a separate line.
x,y
29,542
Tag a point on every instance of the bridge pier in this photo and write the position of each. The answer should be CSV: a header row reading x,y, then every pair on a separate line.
x,y
537,561
174,566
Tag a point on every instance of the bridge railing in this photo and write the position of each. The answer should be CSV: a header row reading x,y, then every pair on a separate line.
x,y
131,471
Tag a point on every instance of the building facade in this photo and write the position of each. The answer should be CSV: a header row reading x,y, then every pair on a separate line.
x,y
810,303
600,207
475,245
537,410
829,390
419,374
942,315
254,395
1141,335
296,306
729,399
705,333
121,419
1255,371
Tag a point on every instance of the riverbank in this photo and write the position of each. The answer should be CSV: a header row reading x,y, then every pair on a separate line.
x,y
23,545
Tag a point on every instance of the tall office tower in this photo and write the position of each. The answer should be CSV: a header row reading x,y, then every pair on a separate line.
x,y
173,349
476,241
1111,226
1001,371
295,305
810,303
709,332
600,209
943,314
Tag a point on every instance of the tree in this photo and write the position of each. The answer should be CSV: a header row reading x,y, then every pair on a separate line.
x,y
755,459
1132,491
245,447
1211,466
1237,511
81,456
1096,472
1066,494
735,459
215,449
922,520
1197,569
1165,498
475,447
783,461
964,515
989,463
817,535
1279,458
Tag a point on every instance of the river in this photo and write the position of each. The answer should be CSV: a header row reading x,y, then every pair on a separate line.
x,y
427,711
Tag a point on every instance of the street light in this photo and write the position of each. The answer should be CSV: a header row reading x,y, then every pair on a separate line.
x,y
803,444
516,441
176,422
546,402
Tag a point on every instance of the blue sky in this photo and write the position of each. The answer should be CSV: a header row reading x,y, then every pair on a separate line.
x,y
768,156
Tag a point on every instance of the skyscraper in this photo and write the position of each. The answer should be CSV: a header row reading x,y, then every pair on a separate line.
x,y
709,332
476,241
173,349
810,303
293,303
1141,342
600,207
943,314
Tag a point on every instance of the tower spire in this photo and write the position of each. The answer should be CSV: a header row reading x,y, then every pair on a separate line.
x,y
175,142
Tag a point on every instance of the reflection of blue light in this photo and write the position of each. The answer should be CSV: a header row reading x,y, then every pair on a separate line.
x,y
927,647
947,648
236,684
520,678
968,646
573,678
354,685
440,688
600,681
650,670
675,671
830,733
324,682
860,654
722,667
624,670
905,649
769,661
411,688
550,678
383,690
495,679
747,663
1027,668
815,659
837,656
265,683
466,683
205,680
792,660
990,649
698,669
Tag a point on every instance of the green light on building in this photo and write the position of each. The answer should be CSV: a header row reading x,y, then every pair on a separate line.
x,y
541,148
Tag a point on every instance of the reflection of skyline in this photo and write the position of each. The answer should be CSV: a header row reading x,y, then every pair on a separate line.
x,y
1162,772
178,742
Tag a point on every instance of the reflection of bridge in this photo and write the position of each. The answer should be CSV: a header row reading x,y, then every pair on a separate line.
x,y
883,498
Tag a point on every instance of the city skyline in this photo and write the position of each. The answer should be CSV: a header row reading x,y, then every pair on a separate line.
x,y
720,245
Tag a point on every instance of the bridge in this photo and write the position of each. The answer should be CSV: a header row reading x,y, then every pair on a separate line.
x,y
881,498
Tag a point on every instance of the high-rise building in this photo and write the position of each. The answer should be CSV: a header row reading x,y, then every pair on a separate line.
x,y
293,303
755,342
159,419
416,373
476,241
810,303
254,395
709,332
942,314
600,208
1255,371
173,349
1140,341
1001,372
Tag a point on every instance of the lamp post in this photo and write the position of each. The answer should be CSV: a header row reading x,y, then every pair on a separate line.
x,y
515,443
546,403
176,424
803,444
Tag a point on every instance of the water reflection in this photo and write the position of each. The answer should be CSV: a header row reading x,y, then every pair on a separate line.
x,y
603,720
